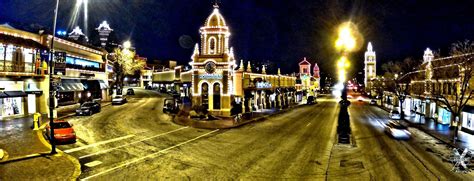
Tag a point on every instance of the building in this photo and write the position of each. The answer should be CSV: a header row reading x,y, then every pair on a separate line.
x,y
23,66
437,77
370,68
308,84
216,83
104,32
79,72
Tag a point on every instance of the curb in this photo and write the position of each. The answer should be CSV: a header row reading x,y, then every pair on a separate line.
x,y
77,166
192,123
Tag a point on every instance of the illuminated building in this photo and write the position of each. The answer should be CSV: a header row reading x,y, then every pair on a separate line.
x,y
370,68
79,71
218,84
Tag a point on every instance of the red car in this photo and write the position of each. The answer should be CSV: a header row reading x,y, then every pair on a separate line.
x,y
63,132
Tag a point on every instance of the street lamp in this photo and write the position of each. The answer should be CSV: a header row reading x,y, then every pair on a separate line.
x,y
127,44
345,43
51,86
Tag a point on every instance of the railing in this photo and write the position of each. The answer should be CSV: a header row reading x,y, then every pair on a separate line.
x,y
27,68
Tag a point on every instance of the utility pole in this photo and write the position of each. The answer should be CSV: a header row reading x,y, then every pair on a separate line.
x,y
51,86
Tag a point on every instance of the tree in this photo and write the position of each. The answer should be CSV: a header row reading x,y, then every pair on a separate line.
x,y
453,89
397,79
125,63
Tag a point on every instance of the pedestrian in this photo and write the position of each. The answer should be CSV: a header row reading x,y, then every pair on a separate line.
x,y
435,117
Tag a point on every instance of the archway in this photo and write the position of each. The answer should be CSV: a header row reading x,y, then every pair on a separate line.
x,y
216,96
205,94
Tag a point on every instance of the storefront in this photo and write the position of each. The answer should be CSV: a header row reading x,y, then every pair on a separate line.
x,y
467,117
444,116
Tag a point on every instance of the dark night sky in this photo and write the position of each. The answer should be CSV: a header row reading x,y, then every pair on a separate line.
x,y
280,31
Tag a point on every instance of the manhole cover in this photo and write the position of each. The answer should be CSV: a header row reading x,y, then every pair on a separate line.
x,y
354,164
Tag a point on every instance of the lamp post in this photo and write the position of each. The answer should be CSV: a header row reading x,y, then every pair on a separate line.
x,y
51,86
345,44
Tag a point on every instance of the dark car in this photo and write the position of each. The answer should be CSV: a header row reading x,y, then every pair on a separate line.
x,y
310,100
130,91
88,108
170,106
63,132
397,130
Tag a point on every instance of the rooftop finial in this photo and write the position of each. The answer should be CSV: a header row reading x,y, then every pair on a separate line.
x,y
215,4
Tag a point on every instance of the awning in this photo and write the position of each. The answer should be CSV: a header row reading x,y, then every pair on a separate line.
x,y
103,84
5,94
468,109
71,85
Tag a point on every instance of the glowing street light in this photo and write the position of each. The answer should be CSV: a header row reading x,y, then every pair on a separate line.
x,y
127,44
346,40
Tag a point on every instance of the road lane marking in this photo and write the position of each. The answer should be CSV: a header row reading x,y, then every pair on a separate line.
x,y
108,150
93,163
308,124
98,143
148,156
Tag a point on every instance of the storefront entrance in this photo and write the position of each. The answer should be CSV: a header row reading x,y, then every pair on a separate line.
x,y
205,94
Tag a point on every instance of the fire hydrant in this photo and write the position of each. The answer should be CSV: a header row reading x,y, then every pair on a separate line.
x,y
36,121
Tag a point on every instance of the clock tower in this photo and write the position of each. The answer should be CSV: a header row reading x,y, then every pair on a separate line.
x,y
370,65
213,66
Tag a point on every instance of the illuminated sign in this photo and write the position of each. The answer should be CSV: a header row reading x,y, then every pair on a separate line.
x,y
210,76
263,85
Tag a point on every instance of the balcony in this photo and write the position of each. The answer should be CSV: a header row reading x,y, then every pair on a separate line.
x,y
28,69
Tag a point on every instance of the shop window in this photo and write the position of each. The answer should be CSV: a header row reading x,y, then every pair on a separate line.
x,y
11,106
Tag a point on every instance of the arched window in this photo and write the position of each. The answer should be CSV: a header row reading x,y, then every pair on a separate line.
x,y
212,45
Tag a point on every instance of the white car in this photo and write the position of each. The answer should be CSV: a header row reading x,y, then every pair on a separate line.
x,y
394,114
397,130
373,102
119,99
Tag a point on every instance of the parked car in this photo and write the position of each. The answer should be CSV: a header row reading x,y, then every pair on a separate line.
x,y
119,99
373,102
310,100
394,114
397,130
88,108
360,98
130,91
170,106
63,132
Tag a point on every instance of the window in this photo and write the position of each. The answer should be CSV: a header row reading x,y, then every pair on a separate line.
x,y
10,51
305,70
212,45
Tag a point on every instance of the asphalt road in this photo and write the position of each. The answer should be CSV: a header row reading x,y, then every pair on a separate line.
x,y
137,141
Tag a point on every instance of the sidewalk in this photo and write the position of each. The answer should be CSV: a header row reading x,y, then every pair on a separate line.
x,y
27,154
440,131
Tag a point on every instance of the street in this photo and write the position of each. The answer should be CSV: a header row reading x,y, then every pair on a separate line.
x,y
142,143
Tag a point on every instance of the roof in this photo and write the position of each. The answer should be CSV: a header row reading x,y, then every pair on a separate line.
x,y
304,62
21,42
215,19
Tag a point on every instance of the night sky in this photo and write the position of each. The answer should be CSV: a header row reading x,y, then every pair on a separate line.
x,y
278,31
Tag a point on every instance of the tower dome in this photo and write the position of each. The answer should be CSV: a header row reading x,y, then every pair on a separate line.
x,y
215,19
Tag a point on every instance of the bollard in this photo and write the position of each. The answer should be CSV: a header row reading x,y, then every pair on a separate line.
x,y
36,118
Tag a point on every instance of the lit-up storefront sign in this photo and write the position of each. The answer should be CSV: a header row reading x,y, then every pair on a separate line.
x,y
82,62
263,85
210,76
